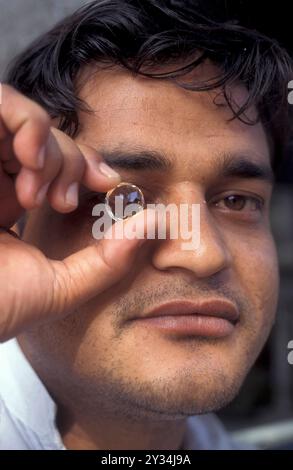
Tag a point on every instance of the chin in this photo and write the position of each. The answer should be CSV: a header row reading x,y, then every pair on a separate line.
x,y
183,396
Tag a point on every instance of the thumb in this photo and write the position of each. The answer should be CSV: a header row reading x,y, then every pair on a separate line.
x,y
90,271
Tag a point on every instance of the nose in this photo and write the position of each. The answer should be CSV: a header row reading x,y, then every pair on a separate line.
x,y
211,255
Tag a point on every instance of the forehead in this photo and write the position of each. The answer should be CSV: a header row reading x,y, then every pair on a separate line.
x,y
160,115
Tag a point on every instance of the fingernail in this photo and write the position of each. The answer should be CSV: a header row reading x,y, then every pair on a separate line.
x,y
41,194
71,197
108,171
41,158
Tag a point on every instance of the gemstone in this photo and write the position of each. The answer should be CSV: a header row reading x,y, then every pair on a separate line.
x,y
124,200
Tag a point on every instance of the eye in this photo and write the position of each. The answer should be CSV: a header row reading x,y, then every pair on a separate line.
x,y
240,203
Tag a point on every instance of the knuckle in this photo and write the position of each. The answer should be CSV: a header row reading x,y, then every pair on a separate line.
x,y
60,288
42,116
103,254
74,163
79,164
7,89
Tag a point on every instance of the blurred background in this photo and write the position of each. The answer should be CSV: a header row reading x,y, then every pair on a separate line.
x,y
263,411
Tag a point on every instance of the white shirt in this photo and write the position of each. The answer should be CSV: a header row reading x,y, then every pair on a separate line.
x,y
27,412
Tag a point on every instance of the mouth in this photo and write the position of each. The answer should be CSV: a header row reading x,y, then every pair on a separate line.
x,y
214,318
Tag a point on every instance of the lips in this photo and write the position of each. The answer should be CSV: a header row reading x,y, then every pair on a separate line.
x,y
213,318
212,308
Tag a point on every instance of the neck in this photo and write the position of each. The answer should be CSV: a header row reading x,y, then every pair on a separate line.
x,y
84,424
88,432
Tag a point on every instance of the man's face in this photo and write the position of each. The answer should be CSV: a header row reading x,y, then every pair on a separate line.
x,y
98,354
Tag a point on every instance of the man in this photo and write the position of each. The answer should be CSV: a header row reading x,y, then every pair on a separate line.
x,y
169,99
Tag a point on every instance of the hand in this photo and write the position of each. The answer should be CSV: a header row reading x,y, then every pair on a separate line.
x,y
39,161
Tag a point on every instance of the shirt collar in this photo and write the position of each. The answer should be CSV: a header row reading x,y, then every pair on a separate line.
x,y
22,389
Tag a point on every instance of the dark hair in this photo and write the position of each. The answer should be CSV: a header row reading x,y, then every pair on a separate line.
x,y
142,35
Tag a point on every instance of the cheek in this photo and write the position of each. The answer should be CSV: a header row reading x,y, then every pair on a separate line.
x,y
257,269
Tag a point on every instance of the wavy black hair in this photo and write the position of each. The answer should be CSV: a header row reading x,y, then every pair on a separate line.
x,y
145,35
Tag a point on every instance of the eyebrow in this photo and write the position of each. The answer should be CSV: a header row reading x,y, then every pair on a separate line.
x,y
137,160
227,165
240,166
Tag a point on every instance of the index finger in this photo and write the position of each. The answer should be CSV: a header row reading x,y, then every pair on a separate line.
x,y
97,176
28,122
